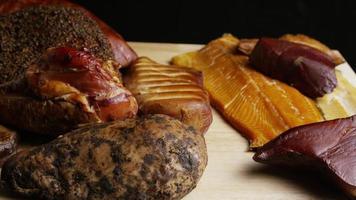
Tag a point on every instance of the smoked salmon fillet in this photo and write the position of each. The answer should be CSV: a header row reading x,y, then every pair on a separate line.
x,y
257,106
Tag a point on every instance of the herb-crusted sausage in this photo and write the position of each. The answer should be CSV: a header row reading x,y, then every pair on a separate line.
x,y
153,157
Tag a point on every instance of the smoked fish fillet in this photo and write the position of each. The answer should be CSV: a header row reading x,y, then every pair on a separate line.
x,y
257,106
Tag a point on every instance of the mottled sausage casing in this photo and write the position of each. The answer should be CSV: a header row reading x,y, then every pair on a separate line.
x,y
329,145
123,54
153,157
305,68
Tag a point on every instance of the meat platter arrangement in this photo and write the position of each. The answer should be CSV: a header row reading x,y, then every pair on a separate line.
x,y
118,125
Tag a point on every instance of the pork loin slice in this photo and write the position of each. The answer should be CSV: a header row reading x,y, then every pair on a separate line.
x,y
172,90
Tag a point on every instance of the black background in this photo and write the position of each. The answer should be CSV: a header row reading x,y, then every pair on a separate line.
x,y
182,21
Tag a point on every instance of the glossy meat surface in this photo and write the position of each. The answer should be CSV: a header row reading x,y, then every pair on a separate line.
x,y
78,76
259,107
306,40
172,90
329,146
305,68
65,88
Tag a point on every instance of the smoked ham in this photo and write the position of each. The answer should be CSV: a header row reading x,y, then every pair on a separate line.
x,y
59,68
79,77
259,107
171,90
64,89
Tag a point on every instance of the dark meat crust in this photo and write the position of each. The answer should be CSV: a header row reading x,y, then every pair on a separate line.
x,y
122,51
154,157
42,117
26,34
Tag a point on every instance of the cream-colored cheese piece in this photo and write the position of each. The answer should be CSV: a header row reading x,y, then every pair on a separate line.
x,y
342,101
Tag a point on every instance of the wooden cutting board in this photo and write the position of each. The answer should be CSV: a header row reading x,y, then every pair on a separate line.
x,y
231,173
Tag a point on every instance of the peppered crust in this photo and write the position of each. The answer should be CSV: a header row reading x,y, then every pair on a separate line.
x,y
26,34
